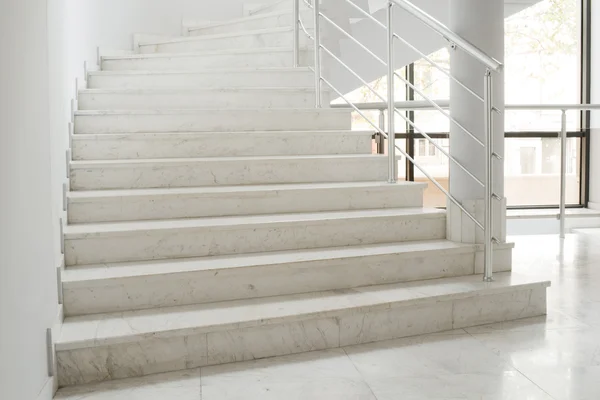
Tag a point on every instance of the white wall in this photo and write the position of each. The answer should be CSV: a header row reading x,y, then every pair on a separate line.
x,y
595,123
28,298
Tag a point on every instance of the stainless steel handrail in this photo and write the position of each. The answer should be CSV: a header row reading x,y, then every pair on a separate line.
x,y
486,226
449,35
563,108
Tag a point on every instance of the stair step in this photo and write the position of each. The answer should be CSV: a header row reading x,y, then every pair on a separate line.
x,y
136,343
215,78
280,18
280,5
142,285
254,39
234,58
184,238
180,99
119,146
218,201
224,120
214,171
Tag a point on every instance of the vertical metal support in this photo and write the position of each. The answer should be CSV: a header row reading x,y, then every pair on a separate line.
x,y
50,352
392,164
489,193
380,138
317,33
563,172
296,33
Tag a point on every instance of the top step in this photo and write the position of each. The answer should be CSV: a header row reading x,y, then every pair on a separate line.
x,y
231,58
275,19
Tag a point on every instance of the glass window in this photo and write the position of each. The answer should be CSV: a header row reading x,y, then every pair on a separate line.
x,y
542,57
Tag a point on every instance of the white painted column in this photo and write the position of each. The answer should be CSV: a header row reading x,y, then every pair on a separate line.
x,y
481,23
595,115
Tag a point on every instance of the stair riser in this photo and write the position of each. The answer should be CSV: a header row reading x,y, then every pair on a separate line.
x,y
251,238
131,208
191,63
258,78
274,21
229,172
327,330
249,41
207,100
214,121
261,281
172,145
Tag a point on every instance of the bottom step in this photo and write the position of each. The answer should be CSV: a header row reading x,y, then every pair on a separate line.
x,y
137,343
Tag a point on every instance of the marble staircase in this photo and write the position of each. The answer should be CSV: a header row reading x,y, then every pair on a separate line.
x,y
214,216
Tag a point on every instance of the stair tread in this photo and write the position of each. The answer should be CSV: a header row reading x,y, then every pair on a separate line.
x,y
81,276
212,111
196,90
92,194
131,326
115,228
186,135
83,164
201,53
238,20
184,39
201,71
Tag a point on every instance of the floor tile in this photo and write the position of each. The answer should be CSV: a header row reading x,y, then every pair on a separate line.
x,y
325,374
183,385
504,386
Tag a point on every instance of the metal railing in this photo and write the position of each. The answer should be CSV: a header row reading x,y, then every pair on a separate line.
x,y
562,134
457,41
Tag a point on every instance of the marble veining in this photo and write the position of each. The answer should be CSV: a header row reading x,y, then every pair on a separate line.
x,y
190,145
238,78
224,120
218,201
230,238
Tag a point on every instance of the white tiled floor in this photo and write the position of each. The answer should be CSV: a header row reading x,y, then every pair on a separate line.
x,y
554,357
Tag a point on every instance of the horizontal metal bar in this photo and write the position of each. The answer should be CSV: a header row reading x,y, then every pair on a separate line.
x,y
352,72
437,184
423,105
366,14
436,65
508,135
440,109
437,146
401,105
349,36
377,129
311,37
449,35
557,107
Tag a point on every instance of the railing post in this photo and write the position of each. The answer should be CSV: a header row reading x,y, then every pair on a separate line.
x,y
380,138
563,172
317,56
392,174
296,33
488,265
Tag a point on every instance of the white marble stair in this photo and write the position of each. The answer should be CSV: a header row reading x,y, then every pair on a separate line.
x,y
214,171
119,146
223,120
181,238
255,39
218,201
207,78
180,99
117,287
136,343
234,58
275,19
